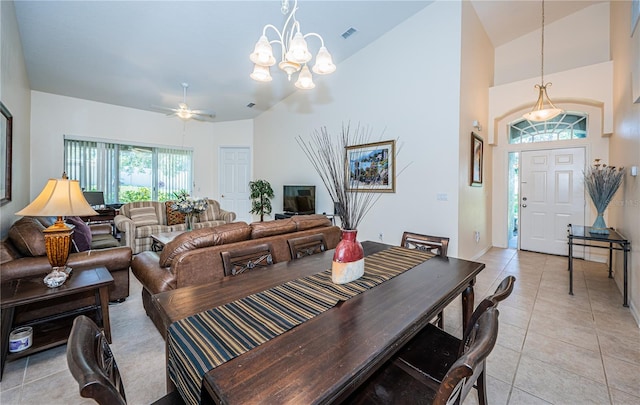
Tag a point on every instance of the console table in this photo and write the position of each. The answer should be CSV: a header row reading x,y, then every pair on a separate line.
x,y
104,216
582,236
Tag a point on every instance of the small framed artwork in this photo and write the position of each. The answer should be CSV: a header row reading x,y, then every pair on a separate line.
x,y
371,167
6,126
477,156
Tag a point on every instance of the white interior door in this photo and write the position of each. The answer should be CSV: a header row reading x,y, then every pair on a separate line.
x,y
551,197
235,174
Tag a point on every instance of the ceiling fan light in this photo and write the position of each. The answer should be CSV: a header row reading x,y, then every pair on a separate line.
x,y
324,63
305,80
263,53
261,74
543,110
298,51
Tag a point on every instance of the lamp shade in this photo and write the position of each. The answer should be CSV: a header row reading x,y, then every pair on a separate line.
x,y
60,197
544,109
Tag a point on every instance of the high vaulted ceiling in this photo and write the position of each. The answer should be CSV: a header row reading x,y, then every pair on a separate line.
x,y
137,53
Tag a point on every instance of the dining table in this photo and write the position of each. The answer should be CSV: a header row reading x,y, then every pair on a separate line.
x,y
340,336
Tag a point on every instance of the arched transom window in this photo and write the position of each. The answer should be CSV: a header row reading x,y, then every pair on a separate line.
x,y
570,125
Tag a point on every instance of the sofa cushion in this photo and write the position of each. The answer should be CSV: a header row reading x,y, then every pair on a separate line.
x,y
219,235
304,222
26,235
271,228
144,216
174,217
81,234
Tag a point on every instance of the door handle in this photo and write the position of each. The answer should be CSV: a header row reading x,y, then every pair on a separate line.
x,y
524,205
222,196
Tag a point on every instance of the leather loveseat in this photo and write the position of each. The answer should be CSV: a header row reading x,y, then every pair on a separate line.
x,y
23,254
137,221
194,257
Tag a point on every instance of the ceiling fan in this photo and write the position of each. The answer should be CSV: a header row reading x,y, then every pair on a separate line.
x,y
184,112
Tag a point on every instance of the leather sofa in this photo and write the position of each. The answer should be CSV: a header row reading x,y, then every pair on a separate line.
x,y
23,254
136,230
194,257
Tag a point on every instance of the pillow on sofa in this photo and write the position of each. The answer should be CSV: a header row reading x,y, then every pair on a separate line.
x,y
174,217
144,216
26,235
212,236
81,234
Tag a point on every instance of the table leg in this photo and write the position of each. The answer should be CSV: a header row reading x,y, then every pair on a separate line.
x,y
625,250
7,322
610,259
570,265
467,304
103,312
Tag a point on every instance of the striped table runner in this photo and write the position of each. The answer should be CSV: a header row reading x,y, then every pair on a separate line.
x,y
203,341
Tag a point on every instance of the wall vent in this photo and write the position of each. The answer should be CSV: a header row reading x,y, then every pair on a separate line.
x,y
349,32
250,105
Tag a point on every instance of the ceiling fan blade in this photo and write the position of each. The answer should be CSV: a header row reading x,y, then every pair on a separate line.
x,y
203,117
164,109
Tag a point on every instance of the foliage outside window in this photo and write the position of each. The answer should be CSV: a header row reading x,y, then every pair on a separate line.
x,y
570,125
127,173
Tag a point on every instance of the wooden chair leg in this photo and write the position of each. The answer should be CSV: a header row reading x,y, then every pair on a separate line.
x,y
481,385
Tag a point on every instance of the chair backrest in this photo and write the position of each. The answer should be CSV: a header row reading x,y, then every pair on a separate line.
x,y
463,374
306,245
92,364
502,292
239,260
439,244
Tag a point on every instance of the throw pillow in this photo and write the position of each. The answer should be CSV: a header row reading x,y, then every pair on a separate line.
x,y
144,216
81,234
174,217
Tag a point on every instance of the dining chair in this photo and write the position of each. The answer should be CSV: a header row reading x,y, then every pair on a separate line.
x,y
94,367
237,261
398,382
433,351
435,244
306,246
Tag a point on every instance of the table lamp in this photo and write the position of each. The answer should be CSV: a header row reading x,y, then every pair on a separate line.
x,y
60,197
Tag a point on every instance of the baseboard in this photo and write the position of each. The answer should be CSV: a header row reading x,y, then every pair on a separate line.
x,y
482,252
634,312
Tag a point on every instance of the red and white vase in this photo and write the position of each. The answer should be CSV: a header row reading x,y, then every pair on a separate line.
x,y
348,259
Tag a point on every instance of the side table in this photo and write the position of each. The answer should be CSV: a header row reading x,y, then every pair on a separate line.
x,y
53,330
583,233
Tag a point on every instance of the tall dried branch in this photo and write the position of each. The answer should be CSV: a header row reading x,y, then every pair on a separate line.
x,y
602,182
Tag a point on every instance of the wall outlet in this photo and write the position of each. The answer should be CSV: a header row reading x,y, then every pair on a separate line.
x,y
476,235
442,197
380,236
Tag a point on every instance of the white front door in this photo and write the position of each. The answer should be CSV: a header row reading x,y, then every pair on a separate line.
x,y
551,197
235,174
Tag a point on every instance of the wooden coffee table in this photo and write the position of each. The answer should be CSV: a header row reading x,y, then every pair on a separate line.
x,y
161,239
53,330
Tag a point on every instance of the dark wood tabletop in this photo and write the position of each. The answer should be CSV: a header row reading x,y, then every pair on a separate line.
x,y
324,359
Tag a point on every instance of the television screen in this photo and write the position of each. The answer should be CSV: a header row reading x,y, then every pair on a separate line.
x,y
299,199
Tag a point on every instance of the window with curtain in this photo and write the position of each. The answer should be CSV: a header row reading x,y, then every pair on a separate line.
x,y
570,125
126,173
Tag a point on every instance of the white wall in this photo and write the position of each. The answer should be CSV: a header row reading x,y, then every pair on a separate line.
x,y
15,95
54,116
410,95
476,77
624,211
580,39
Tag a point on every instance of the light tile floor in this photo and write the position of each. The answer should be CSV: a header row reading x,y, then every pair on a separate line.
x,y
552,348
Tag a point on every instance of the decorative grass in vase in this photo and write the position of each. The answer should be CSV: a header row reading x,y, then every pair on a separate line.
x,y
327,154
602,182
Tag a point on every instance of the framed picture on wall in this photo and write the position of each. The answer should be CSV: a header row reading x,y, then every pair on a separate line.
x,y
6,126
477,156
371,167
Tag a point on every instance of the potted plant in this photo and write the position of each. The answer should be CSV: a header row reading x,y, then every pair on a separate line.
x,y
261,195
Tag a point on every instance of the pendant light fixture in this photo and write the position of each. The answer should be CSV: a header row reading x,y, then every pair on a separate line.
x,y
544,109
295,54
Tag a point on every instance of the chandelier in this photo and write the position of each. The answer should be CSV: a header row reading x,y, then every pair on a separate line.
x,y
295,54
544,109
